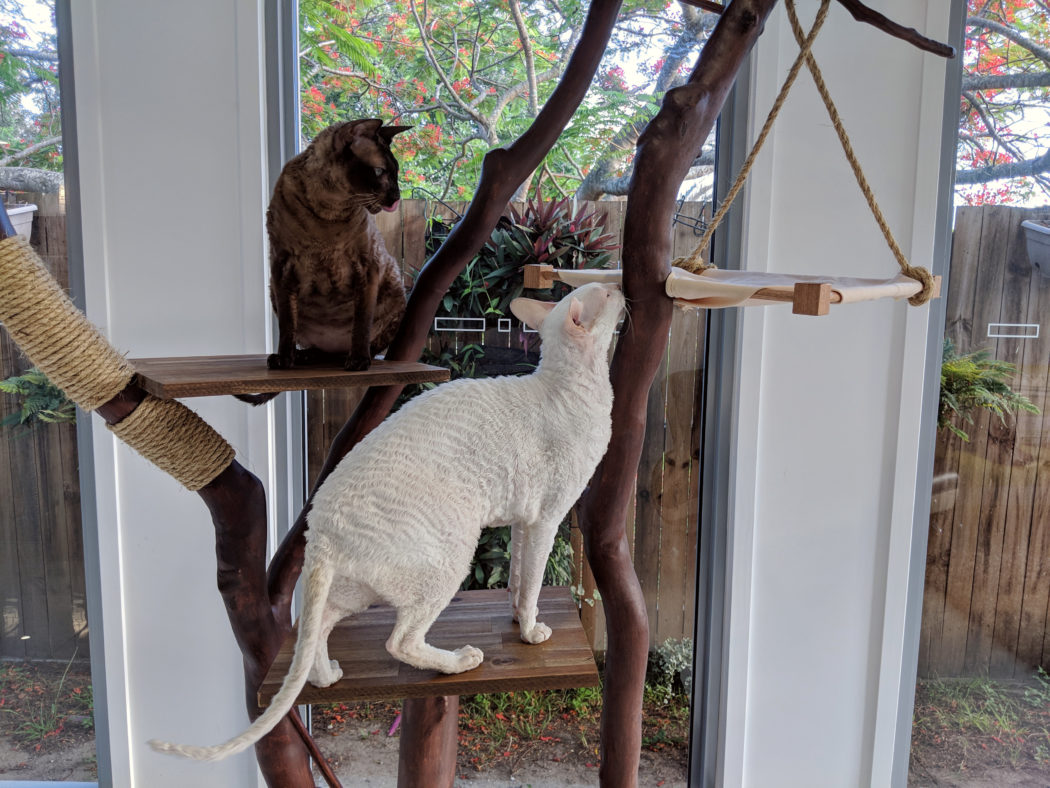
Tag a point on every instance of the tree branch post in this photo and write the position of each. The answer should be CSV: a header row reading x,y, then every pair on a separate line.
x,y
665,151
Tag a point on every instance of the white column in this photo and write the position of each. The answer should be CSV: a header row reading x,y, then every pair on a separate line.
x,y
826,424
170,122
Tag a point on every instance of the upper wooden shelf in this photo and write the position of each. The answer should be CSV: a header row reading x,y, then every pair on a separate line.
x,y
205,376
478,618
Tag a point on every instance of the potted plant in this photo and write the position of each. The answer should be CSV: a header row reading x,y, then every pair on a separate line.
x,y
1037,239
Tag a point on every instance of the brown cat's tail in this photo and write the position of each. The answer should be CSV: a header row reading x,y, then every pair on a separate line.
x,y
315,597
256,399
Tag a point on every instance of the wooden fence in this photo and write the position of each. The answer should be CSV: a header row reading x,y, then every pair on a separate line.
x,y
41,547
663,516
985,608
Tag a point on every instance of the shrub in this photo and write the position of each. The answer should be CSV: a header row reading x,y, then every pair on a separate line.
x,y
976,380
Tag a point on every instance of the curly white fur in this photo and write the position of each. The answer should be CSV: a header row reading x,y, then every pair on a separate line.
x,y
399,518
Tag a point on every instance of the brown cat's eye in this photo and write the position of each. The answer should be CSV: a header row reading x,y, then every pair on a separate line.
x,y
378,171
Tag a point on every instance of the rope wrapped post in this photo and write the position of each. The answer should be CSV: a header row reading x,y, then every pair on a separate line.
x,y
75,356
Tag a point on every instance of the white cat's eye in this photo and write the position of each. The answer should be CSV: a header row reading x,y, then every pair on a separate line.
x,y
378,170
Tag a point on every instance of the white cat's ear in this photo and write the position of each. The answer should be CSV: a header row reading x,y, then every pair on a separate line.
x,y
576,312
530,311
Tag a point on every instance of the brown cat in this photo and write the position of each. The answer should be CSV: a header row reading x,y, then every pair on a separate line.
x,y
337,292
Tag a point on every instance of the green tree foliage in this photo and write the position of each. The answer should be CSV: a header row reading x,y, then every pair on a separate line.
x,y
30,121
1004,148
471,74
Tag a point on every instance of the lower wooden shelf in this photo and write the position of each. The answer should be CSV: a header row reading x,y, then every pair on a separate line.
x,y
477,618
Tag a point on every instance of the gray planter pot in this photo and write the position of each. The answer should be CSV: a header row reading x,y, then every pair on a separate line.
x,y
1037,236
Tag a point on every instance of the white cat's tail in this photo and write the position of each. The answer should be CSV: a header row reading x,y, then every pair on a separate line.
x,y
316,594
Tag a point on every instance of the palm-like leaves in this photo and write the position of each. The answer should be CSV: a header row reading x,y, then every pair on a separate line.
x,y
976,380
41,400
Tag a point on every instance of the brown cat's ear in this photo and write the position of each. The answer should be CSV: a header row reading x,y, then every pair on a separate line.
x,y
357,129
387,133
530,311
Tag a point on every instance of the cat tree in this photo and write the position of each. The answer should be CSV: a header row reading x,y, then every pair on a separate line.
x,y
258,598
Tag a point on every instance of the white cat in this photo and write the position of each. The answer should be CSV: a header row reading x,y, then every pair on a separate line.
x,y
399,518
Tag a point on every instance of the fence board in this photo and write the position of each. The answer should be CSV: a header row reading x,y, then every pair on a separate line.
x,y
1002,601
992,531
41,569
958,324
988,562
11,644
961,568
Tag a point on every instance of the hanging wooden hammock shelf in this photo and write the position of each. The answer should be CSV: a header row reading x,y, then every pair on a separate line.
x,y
480,618
714,288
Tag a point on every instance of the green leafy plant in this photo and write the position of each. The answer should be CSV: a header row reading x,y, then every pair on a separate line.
x,y
976,380
551,233
491,568
671,668
40,400
35,708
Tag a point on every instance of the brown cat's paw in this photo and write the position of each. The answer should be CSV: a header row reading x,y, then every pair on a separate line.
x,y
278,361
357,363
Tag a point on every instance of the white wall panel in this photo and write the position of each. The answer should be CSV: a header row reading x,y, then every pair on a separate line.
x,y
169,105
825,454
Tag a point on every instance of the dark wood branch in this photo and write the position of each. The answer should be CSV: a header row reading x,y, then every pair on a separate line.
x,y
666,149
503,170
33,54
706,5
29,151
1009,33
1029,168
869,16
1035,79
30,179
308,741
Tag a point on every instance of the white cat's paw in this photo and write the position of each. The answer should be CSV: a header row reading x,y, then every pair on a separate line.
x,y
326,678
468,658
537,634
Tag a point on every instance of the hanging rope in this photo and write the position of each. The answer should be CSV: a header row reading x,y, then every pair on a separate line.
x,y
921,275
694,262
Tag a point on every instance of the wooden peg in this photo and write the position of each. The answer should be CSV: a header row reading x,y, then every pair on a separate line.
x,y
539,276
811,298
936,287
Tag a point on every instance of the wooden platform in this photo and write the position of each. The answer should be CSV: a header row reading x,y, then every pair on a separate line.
x,y
205,376
477,618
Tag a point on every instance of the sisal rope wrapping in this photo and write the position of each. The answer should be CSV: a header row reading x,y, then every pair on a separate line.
x,y
53,333
176,440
